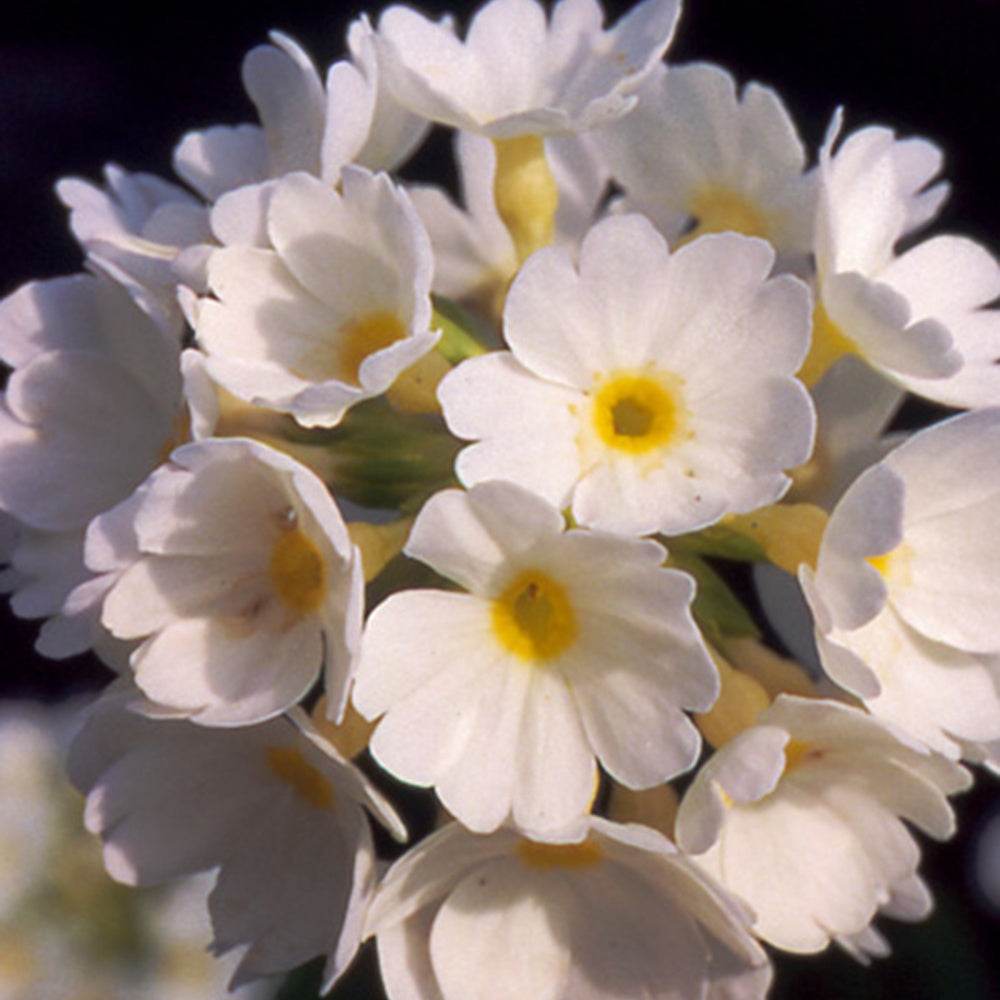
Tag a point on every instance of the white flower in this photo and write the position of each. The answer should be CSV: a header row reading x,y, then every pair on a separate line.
x,y
920,316
365,124
272,806
90,369
132,229
518,72
696,158
245,585
570,645
801,816
304,125
614,916
93,405
905,590
288,94
649,391
334,312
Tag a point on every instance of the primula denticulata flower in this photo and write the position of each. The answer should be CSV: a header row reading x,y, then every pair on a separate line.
x,y
613,399
483,485
273,807
613,915
800,816
905,590
719,163
567,641
240,611
920,317
520,73
334,312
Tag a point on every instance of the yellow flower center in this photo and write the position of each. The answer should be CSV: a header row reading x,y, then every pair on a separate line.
x,y
896,561
533,617
340,358
585,854
297,571
293,769
829,344
720,210
636,413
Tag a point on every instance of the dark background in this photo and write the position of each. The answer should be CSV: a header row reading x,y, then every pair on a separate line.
x,y
82,84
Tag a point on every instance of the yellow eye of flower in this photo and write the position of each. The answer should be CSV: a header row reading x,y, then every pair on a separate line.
x,y
297,571
340,357
636,413
720,210
293,769
533,617
586,854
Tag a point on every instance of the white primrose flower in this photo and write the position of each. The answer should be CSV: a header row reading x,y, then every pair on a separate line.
x,y
569,646
304,125
93,405
335,312
519,72
920,317
284,86
648,391
801,816
616,915
365,123
273,807
905,591
696,158
133,229
244,587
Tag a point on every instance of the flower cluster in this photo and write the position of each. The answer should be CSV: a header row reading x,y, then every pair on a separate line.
x,y
351,481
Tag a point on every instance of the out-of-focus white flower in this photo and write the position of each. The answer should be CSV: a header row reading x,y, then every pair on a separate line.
x,y
273,806
66,932
334,312
29,808
518,72
649,391
801,816
617,915
905,590
696,158
569,646
244,586
920,317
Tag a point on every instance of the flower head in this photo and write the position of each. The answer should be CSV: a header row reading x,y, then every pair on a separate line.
x,y
243,587
569,646
272,806
614,915
518,72
334,312
648,391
